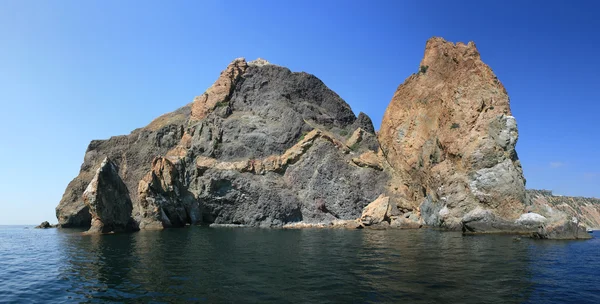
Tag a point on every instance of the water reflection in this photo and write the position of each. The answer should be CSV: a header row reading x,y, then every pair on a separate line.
x,y
325,266
96,266
425,266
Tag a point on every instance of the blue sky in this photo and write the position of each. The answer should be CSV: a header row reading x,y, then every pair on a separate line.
x,y
73,71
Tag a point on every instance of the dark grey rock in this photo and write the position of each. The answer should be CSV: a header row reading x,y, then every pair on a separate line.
x,y
562,230
364,122
325,176
133,154
231,197
268,110
430,212
108,200
45,225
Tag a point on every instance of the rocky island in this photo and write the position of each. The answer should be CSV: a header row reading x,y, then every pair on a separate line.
x,y
265,146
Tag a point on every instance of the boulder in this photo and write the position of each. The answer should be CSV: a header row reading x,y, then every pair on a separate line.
x,y
355,138
531,219
482,220
368,160
347,224
563,229
402,222
377,211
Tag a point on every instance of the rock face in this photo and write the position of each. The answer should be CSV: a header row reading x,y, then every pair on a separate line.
x,y
263,146
108,200
132,153
585,209
449,136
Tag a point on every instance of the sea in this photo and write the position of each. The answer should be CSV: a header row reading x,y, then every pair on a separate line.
x,y
253,265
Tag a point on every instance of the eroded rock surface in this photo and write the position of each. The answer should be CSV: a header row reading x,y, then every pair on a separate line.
x,y
449,136
263,146
133,154
585,209
563,229
377,211
108,200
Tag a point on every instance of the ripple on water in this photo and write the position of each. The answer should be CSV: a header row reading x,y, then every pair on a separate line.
x,y
281,266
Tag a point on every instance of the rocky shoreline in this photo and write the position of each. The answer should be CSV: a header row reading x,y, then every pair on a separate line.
x,y
268,147
46,225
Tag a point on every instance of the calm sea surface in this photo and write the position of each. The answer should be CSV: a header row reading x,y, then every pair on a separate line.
x,y
216,265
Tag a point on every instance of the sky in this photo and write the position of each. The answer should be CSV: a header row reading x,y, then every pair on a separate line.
x,y
74,71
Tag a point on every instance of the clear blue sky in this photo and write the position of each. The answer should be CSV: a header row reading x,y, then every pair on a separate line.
x,y
73,71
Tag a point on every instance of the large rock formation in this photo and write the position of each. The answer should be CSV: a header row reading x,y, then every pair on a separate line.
x,y
108,200
263,146
449,137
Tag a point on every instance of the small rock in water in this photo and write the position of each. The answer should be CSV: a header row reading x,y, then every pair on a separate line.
x,y
45,225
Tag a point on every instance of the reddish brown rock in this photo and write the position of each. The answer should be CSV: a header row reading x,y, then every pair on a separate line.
x,y
449,136
377,212
220,91
368,159
164,200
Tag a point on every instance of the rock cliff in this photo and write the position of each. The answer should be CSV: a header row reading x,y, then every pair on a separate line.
x,y
265,146
107,199
449,137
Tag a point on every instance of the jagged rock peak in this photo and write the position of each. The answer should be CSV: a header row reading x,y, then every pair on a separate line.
x,y
108,200
259,62
442,58
364,121
437,48
229,157
220,91
448,133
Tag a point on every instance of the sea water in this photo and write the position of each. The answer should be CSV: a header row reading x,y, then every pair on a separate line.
x,y
246,265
